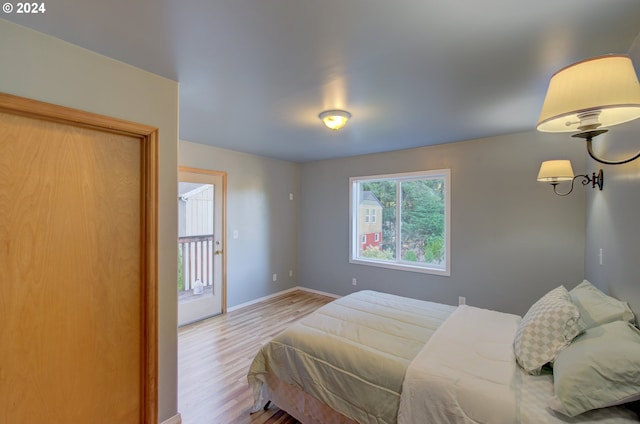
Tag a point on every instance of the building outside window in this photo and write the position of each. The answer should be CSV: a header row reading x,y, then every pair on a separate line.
x,y
402,221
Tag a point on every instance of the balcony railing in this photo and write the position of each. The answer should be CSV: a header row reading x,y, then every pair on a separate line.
x,y
195,255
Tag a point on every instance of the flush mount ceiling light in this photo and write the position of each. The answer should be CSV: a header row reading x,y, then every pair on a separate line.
x,y
334,119
590,95
556,171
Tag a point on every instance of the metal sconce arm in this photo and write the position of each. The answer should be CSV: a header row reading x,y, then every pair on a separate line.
x,y
588,136
594,180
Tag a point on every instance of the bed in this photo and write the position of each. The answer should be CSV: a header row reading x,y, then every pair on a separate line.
x,y
373,357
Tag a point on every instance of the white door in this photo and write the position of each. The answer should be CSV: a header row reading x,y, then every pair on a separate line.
x,y
200,244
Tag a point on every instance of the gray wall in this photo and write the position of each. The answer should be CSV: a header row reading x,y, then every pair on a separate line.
x,y
612,214
613,217
259,209
512,238
40,67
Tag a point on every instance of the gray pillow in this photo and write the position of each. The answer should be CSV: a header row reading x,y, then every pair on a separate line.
x,y
600,368
547,328
596,308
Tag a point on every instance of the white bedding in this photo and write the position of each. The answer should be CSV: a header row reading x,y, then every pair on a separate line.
x,y
467,373
351,354
464,373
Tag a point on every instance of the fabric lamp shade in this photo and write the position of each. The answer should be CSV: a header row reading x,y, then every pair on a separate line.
x,y
594,93
555,171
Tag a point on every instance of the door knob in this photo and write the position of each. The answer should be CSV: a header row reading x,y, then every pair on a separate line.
x,y
218,252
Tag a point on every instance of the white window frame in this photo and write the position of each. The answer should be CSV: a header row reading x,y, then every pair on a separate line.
x,y
445,268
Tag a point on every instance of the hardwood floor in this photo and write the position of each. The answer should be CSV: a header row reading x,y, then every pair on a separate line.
x,y
214,356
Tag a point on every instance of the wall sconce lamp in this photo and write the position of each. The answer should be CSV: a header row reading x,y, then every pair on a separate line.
x,y
556,171
590,95
334,119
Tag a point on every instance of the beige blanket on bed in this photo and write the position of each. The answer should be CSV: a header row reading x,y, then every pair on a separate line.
x,y
352,354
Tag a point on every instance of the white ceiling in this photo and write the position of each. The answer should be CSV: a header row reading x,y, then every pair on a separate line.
x,y
254,74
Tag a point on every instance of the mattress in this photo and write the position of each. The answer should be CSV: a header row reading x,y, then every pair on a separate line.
x,y
351,354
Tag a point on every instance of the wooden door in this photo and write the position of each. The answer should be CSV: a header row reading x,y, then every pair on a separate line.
x,y
77,267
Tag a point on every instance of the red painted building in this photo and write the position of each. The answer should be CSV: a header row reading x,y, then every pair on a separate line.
x,y
370,221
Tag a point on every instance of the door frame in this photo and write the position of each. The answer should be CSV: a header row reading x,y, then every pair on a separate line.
x,y
148,137
223,237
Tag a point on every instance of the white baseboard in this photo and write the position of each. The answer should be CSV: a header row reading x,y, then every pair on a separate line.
x,y
176,419
280,293
335,296
262,299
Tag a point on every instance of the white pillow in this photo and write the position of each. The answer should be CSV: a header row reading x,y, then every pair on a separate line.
x,y
547,328
596,308
601,368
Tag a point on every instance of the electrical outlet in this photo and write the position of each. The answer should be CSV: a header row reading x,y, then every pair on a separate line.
x,y
462,300
275,277
290,273
354,282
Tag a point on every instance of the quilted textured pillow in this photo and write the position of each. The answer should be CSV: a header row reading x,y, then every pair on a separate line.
x,y
547,328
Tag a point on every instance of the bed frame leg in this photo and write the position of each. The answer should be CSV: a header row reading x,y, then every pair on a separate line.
x,y
266,405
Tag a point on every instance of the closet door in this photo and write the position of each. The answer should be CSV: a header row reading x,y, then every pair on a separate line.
x,y
77,267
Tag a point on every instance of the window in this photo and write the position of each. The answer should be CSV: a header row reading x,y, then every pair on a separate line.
x,y
408,216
